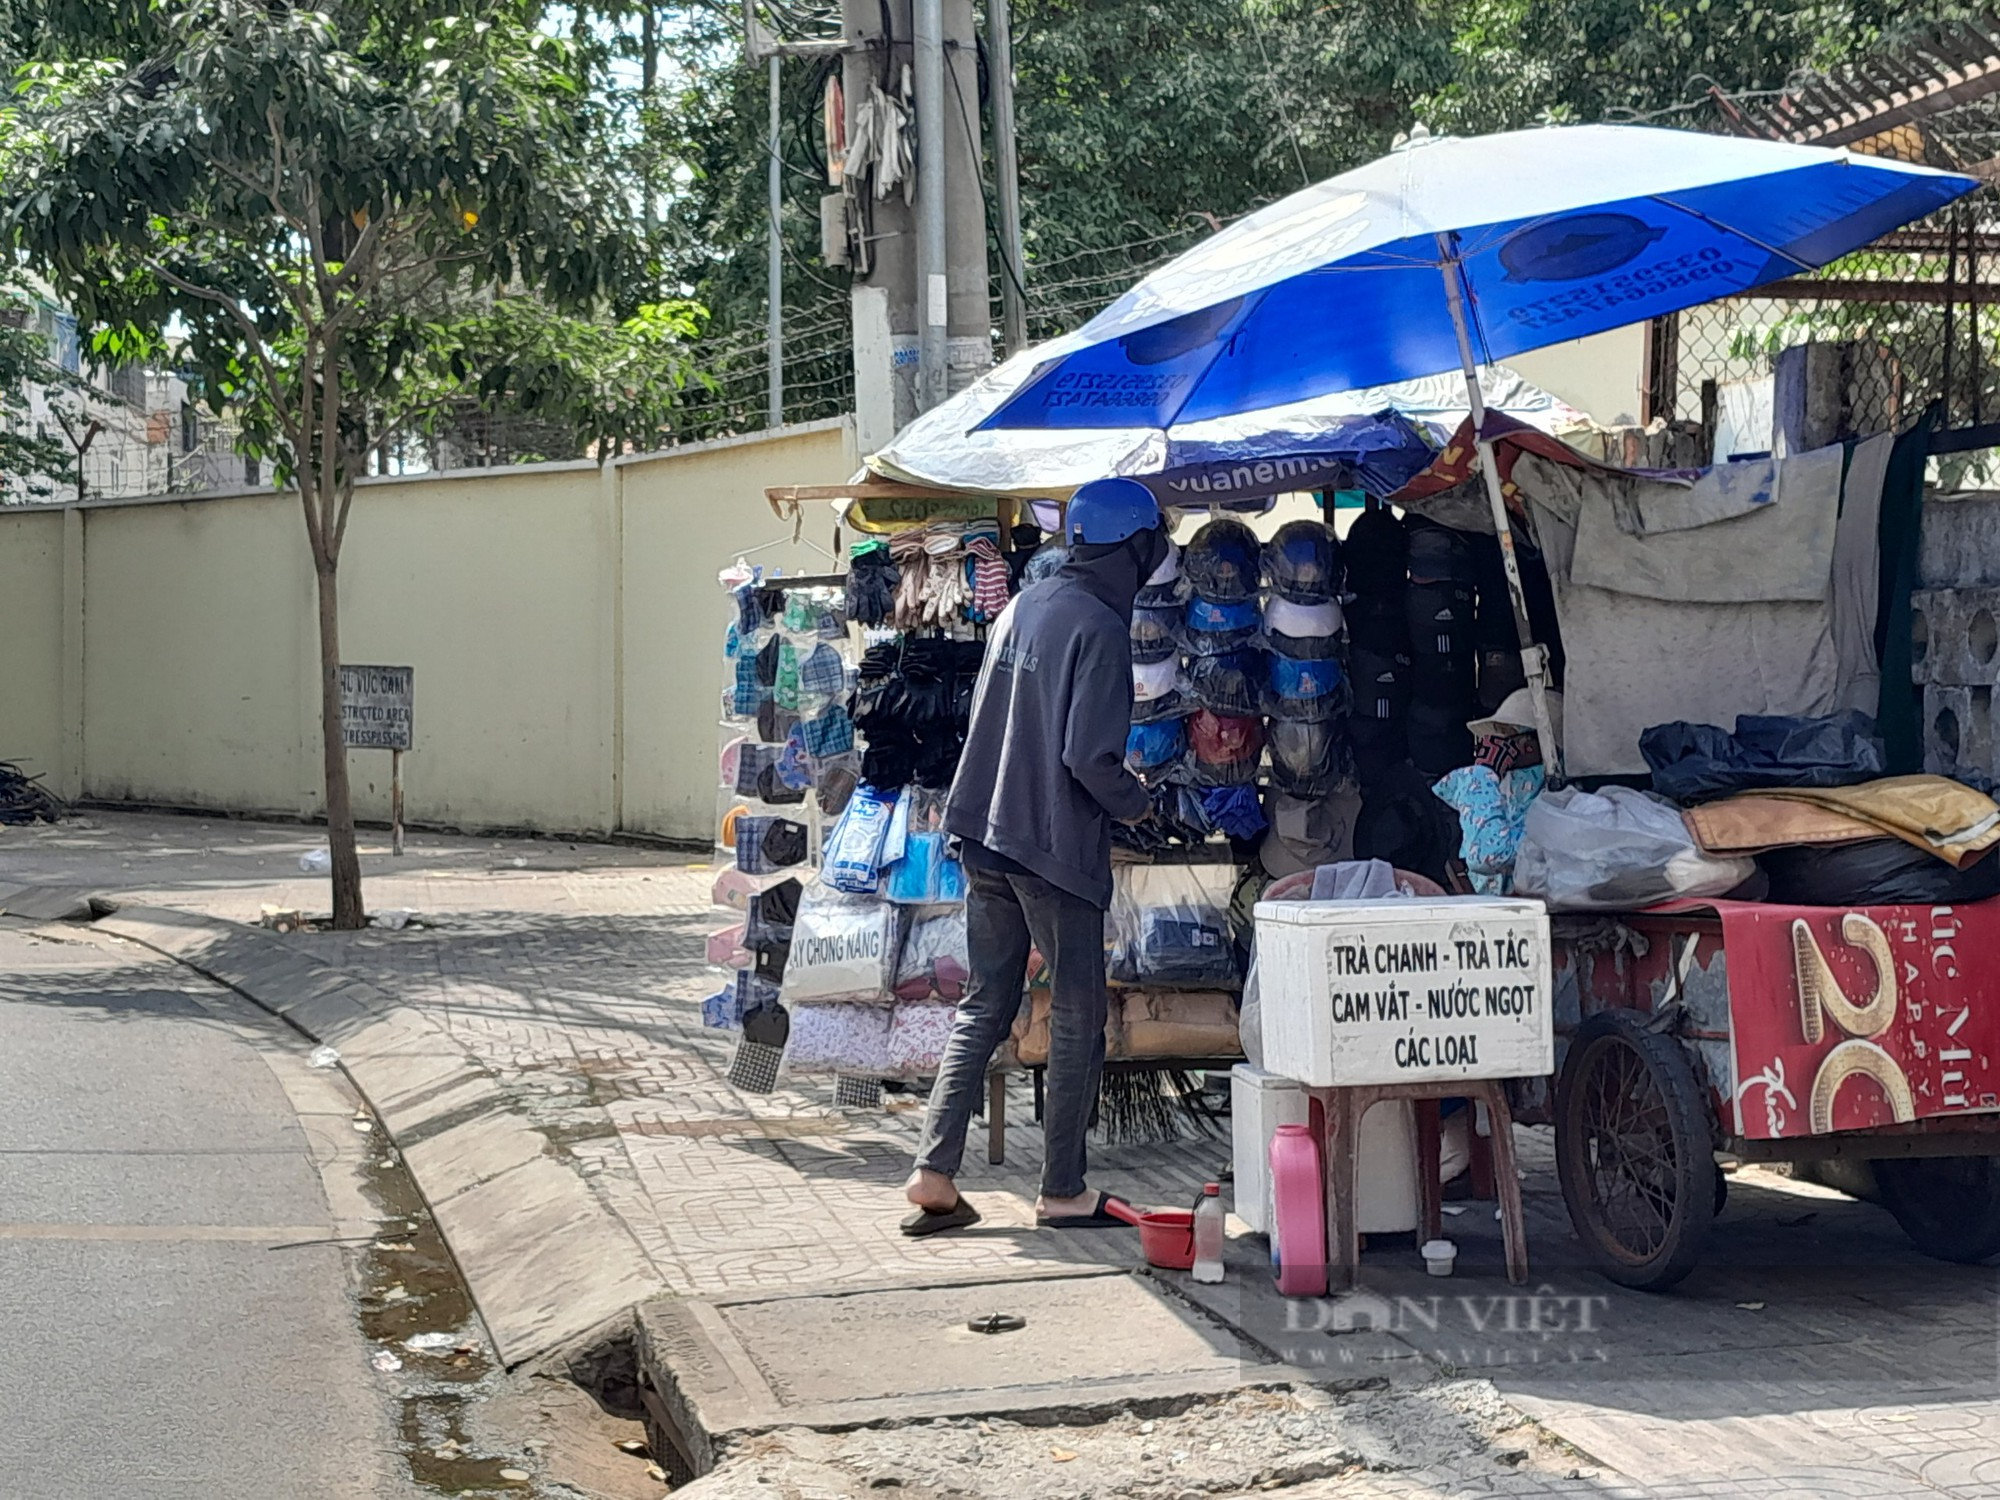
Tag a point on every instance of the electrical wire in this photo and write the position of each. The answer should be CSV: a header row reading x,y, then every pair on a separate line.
x,y
972,144
1277,94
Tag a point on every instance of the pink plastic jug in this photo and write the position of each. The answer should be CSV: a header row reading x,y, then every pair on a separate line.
x,y
1298,1220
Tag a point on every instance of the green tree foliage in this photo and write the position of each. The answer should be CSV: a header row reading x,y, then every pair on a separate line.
x,y
1145,122
30,457
346,216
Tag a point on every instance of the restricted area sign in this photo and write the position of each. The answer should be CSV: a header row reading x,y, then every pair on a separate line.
x,y
377,707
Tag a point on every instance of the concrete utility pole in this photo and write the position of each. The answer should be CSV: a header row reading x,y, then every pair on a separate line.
x,y
892,295
1007,175
774,267
969,299
933,284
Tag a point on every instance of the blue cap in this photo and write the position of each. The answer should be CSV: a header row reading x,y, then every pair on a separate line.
x,y
1107,511
1150,746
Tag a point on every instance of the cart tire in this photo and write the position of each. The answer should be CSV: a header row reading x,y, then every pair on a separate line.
x,y
1949,1206
1634,1151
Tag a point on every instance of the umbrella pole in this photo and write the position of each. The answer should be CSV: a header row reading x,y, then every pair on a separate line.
x,y
1534,657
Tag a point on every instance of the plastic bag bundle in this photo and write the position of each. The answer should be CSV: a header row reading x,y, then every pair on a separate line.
x,y
1614,849
855,851
918,1036
1169,927
840,1039
844,948
926,875
936,956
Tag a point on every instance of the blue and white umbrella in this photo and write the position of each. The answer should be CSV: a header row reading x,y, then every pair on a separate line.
x,y
1457,252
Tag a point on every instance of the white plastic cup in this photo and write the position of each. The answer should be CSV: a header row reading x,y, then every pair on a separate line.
x,y
1439,1256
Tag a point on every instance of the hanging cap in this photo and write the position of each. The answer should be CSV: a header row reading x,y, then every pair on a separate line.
x,y
1223,562
1154,679
1204,618
1150,746
1302,562
1302,621
1156,633
1225,740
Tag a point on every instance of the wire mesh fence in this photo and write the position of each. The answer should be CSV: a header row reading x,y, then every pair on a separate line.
x,y
1911,321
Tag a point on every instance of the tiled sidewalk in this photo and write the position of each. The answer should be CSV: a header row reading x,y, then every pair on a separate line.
x,y
575,974
583,996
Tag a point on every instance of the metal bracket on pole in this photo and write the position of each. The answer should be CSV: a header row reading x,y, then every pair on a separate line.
x,y
1534,657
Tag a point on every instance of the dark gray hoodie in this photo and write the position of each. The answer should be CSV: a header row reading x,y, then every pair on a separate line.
x,y
1043,771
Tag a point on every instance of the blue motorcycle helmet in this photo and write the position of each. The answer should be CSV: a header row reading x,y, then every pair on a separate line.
x,y
1106,512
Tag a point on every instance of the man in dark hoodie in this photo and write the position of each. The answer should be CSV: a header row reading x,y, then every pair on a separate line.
x,y
1042,776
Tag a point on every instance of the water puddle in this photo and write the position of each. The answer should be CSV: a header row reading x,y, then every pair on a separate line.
x,y
426,1338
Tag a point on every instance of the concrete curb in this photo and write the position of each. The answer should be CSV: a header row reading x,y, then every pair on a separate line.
x,y
546,1260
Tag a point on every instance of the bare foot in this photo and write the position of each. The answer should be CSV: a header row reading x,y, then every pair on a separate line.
x,y
931,1190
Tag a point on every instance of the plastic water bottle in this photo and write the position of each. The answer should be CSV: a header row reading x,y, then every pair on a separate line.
x,y
1208,1234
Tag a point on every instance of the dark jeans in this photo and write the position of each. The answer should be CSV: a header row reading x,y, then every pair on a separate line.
x,y
1004,916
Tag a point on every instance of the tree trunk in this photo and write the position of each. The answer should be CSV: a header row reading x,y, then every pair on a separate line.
x,y
348,912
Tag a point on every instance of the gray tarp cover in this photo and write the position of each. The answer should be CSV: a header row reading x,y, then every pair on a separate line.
x,y
1700,601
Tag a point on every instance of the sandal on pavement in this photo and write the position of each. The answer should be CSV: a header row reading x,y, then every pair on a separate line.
x,y
926,1221
1100,1217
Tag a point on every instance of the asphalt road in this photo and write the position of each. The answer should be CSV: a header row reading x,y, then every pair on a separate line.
x,y
160,1140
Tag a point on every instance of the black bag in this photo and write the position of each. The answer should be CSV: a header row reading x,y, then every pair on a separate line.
x,y
1377,622
1874,872
1440,623
1439,554
1379,746
1377,552
1439,740
1403,822
1381,684
1700,762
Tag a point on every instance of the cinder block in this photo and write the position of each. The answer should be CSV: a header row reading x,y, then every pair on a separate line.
x,y
1960,542
1956,636
1958,729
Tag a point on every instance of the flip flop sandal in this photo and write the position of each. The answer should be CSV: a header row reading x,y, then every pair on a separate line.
x,y
1100,1217
924,1222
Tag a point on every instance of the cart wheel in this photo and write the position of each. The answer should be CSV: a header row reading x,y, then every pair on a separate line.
x,y
1949,1206
1633,1151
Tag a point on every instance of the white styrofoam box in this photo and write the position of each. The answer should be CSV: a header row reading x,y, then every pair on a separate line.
x,y
1402,991
1259,1102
